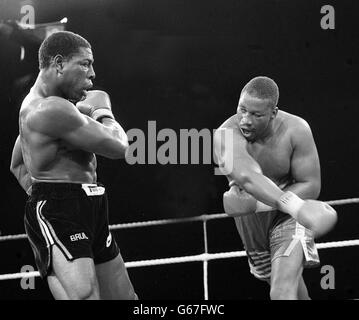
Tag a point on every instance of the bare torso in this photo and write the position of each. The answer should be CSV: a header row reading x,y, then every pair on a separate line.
x,y
274,155
50,159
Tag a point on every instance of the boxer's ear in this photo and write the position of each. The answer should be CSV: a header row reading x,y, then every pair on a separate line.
x,y
58,62
274,112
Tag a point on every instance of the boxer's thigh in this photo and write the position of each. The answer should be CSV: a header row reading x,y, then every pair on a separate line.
x,y
287,255
75,280
114,281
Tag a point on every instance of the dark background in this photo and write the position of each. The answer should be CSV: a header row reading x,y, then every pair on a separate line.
x,y
183,64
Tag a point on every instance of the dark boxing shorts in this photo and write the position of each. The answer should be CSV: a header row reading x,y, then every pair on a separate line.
x,y
74,217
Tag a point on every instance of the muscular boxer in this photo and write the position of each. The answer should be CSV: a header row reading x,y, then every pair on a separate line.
x,y
271,161
66,216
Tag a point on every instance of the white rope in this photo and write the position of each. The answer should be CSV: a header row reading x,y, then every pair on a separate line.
x,y
342,202
205,263
338,244
13,237
204,257
173,221
194,258
12,276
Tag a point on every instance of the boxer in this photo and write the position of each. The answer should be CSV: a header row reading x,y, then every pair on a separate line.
x,y
272,163
54,160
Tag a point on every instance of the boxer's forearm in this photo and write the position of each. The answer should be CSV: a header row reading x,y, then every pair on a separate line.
x,y
238,165
26,182
117,132
22,176
248,175
18,168
305,190
260,187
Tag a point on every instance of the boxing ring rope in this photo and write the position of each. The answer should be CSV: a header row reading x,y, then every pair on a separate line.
x,y
204,257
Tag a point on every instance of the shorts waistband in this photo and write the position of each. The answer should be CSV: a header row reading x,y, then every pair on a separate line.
x,y
61,187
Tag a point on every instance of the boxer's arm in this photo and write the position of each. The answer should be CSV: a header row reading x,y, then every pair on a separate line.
x,y
118,130
17,167
235,162
305,165
60,119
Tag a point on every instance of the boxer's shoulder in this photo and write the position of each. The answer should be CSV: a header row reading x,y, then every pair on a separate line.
x,y
43,106
292,126
292,121
54,104
51,113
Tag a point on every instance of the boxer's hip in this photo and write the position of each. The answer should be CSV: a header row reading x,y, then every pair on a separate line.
x,y
254,229
58,190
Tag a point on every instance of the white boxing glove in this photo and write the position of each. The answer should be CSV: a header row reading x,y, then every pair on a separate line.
x,y
96,105
237,202
315,215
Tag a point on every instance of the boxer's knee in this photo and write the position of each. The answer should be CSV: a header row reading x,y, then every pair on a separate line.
x,y
84,291
133,296
283,291
77,278
284,286
286,274
78,290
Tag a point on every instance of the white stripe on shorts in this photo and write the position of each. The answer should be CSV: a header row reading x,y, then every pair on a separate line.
x,y
299,236
261,266
49,230
45,232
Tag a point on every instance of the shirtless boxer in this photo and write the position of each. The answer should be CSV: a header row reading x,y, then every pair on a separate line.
x,y
66,216
272,164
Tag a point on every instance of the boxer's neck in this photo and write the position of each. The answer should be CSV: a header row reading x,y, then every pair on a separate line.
x,y
46,85
267,134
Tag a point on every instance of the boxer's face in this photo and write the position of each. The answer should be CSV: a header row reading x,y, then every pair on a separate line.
x,y
78,74
254,116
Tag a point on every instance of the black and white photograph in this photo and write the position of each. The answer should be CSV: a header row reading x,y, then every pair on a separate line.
x,y
177,150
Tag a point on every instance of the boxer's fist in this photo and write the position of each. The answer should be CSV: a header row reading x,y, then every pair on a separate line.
x,y
96,105
237,202
317,216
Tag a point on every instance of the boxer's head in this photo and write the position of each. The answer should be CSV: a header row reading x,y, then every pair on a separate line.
x,y
257,107
68,60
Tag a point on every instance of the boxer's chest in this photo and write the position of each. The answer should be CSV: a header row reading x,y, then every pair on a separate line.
x,y
274,157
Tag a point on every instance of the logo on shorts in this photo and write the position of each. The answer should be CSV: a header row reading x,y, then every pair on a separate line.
x,y
93,190
109,239
78,236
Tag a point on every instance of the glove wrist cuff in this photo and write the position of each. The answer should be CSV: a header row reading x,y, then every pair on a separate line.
x,y
98,114
290,203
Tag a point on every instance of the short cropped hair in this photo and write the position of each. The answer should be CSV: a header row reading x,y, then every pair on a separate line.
x,y
65,43
263,88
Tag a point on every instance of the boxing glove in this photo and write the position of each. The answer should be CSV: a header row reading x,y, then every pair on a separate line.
x,y
315,215
96,105
237,202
